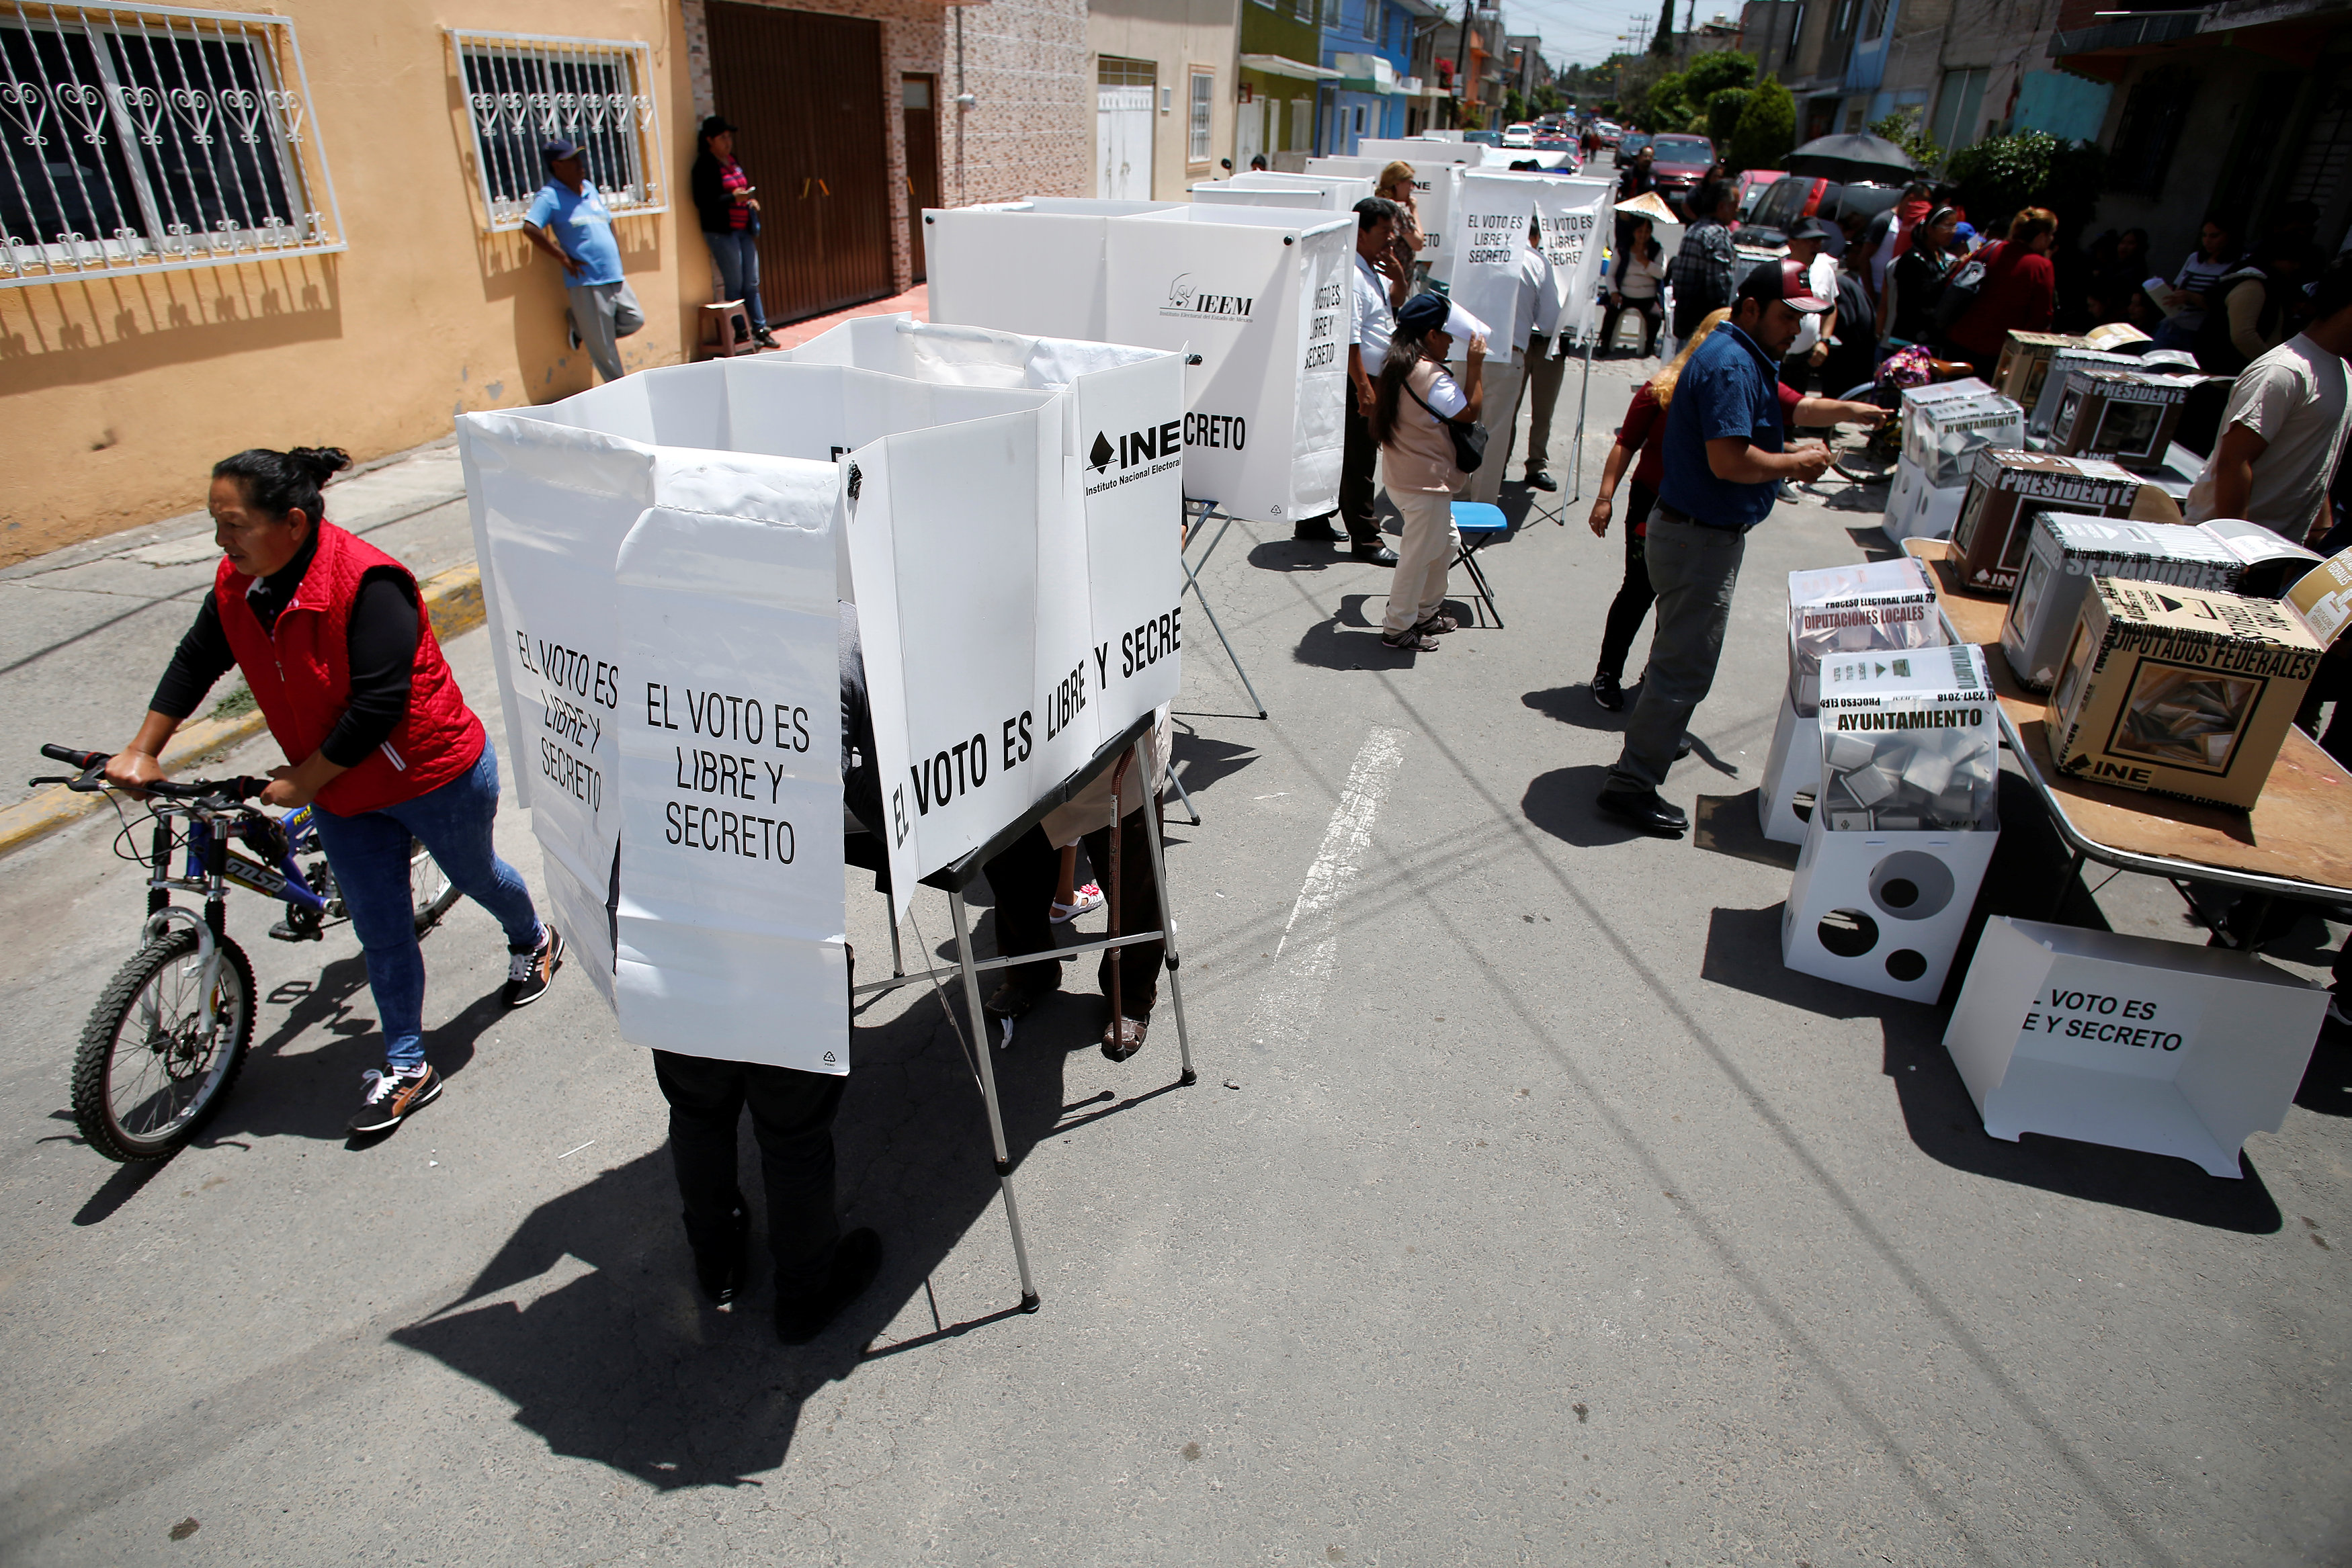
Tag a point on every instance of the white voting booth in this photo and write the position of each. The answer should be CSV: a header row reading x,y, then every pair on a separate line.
x,y
662,559
1324,193
1434,184
1260,295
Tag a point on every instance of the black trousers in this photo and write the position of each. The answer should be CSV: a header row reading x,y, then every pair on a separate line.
x,y
1653,312
792,1119
1359,485
1635,595
1023,879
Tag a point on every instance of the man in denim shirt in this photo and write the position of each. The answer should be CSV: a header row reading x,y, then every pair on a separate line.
x,y
1725,460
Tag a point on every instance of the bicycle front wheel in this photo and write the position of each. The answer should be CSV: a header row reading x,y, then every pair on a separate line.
x,y
430,890
149,1074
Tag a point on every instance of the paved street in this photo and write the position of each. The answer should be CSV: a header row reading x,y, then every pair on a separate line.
x,y
1527,1210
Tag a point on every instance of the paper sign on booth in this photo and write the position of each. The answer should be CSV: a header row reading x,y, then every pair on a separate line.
x,y
730,915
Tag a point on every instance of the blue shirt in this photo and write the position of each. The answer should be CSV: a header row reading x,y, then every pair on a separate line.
x,y
584,227
1728,389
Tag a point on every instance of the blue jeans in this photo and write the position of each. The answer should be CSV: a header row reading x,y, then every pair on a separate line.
x,y
368,854
736,252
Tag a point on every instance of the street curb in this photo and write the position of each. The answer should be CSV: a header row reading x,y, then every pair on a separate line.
x,y
454,600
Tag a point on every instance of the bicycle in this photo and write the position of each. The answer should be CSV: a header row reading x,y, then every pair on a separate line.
x,y
170,1032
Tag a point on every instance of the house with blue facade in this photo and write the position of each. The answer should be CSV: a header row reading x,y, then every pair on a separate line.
x,y
1370,44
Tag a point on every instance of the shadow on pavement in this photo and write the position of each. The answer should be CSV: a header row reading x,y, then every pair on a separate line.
x,y
1873,542
1560,803
1727,825
2327,1080
620,1363
1574,705
1201,760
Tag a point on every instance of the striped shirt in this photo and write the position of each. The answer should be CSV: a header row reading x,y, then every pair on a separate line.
x,y
1703,268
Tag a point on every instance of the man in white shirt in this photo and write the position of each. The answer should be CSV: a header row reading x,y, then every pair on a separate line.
x,y
2286,425
1504,376
1378,286
1808,243
1545,368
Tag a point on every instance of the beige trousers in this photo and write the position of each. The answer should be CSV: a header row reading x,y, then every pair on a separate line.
x,y
1417,591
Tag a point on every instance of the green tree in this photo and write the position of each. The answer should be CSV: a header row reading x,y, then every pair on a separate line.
x,y
1902,127
1662,43
1515,107
1663,106
1712,72
1724,106
2031,169
1766,129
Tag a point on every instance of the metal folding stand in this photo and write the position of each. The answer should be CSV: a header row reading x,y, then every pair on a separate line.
x,y
1196,522
953,879
1576,458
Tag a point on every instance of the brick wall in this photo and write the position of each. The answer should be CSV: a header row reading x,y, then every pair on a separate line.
x,y
1030,131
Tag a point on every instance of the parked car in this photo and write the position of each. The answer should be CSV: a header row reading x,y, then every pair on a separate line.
x,y
1520,135
1631,142
1795,197
1484,138
1752,186
1611,133
1680,163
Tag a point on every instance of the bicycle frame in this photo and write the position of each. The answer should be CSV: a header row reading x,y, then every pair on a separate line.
x,y
212,867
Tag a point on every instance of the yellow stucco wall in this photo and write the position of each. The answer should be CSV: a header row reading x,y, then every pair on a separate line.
x,y
117,394
1178,37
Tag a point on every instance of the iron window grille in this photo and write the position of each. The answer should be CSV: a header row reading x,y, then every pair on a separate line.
x,y
1205,97
523,90
155,138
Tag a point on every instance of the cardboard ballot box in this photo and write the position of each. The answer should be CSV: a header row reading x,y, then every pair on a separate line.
x,y
2006,489
2043,410
2178,690
2024,364
2128,1041
1905,823
2067,551
2270,562
1880,606
2124,415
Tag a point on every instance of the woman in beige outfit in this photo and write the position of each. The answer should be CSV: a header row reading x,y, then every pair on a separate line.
x,y
1412,402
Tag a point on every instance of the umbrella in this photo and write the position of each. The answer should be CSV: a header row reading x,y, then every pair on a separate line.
x,y
1648,205
1855,156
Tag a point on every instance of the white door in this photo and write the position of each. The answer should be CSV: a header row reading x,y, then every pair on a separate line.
x,y
1123,143
1249,131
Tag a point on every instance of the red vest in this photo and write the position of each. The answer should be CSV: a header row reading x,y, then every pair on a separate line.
x,y
300,672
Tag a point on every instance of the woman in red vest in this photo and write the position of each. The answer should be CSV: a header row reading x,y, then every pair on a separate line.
x,y
331,635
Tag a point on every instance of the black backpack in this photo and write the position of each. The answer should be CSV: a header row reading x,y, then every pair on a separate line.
x,y
1962,287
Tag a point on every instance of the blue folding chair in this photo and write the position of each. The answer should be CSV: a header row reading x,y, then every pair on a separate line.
x,y
1480,524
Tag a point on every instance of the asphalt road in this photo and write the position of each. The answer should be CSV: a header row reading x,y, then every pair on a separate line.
x,y
1527,1210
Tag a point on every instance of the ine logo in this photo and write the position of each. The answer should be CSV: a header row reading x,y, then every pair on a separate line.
x,y
1138,454
1185,299
1100,456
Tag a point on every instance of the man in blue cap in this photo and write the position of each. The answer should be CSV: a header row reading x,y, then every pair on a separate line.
x,y
1725,460
569,220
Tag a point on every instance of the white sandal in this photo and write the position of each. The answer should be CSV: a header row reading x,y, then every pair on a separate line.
x,y
1083,901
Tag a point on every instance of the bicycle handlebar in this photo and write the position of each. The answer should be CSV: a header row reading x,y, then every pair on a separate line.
x,y
92,780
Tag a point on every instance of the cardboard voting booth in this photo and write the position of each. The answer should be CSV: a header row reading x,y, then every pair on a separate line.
x,y
1905,824
2129,1042
1435,187
1882,606
1260,295
1493,212
1322,193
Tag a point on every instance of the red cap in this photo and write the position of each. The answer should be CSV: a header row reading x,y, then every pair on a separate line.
x,y
1784,280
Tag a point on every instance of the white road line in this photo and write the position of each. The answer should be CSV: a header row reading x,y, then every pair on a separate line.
x,y
1308,953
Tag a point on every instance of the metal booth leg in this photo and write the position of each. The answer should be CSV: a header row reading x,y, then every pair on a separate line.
x,y
1576,458
1029,1298
1184,796
1168,932
898,957
1199,593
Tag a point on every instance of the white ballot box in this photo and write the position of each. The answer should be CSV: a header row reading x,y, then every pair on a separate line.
x,y
2130,1042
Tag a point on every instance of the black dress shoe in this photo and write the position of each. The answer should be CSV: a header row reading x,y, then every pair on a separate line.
x,y
1540,480
1608,692
1015,998
856,1261
1378,555
719,1268
1319,531
1644,809
1684,749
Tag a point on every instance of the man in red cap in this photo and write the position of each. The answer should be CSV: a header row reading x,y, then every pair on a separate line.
x,y
1725,460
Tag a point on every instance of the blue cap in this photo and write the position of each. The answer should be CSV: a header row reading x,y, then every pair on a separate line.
x,y
1422,313
556,147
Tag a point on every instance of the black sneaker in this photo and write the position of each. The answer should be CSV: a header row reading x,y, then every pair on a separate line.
x,y
529,973
1608,692
1542,480
391,1097
856,1261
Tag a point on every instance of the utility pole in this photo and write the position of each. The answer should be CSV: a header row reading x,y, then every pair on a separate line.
x,y
1461,62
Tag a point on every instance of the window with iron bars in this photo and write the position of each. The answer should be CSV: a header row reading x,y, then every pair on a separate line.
x,y
523,91
141,139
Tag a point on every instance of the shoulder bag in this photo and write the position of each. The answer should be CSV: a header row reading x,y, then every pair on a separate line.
x,y
1469,440
1961,288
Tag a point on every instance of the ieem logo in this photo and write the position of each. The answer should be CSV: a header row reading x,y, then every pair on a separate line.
x,y
1185,299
